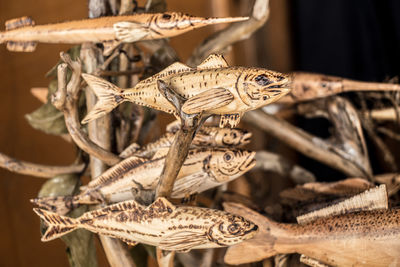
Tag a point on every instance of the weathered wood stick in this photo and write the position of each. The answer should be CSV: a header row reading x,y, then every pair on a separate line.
x,y
181,144
100,133
298,139
65,99
219,41
38,170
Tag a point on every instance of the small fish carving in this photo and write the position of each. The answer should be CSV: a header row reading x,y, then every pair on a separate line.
x,y
211,88
169,227
203,169
22,35
366,238
206,136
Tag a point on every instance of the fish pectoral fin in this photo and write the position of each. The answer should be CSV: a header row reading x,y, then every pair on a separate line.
x,y
188,184
19,23
129,32
230,119
213,61
183,241
109,46
208,100
162,205
21,46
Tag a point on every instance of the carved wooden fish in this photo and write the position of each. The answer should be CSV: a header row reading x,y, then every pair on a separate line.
x,y
161,224
205,136
211,88
203,169
22,35
367,238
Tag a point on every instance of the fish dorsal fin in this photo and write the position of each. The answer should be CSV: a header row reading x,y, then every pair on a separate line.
x,y
114,209
174,68
116,171
19,23
208,100
161,205
213,61
162,152
21,46
372,199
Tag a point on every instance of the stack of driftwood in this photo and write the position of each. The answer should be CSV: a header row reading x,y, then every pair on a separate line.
x,y
183,197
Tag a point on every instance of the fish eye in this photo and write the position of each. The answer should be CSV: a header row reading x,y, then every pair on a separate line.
x,y
262,80
234,135
233,228
227,156
166,16
265,97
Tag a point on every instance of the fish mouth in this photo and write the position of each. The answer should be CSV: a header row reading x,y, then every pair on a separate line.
x,y
251,231
246,137
250,162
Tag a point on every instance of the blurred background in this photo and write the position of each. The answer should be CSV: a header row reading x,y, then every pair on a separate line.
x,y
357,39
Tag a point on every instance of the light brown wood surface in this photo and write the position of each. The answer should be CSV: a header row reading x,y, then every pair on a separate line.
x,y
20,243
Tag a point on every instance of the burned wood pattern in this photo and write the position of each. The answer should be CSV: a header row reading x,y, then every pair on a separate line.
x,y
161,224
203,169
206,136
210,88
367,238
22,35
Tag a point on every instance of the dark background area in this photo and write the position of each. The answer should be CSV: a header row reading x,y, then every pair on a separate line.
x,y
354,39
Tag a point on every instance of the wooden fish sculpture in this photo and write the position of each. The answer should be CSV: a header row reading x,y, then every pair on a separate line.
x,y
206,136
212,88
22,35
367,238
161,224
203,169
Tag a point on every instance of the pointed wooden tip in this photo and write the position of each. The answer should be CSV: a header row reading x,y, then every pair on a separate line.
x,y
198,22
40,93
351,85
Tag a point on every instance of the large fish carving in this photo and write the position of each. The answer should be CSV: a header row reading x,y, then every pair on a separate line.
x,y
211,88
366,238
161,224
22,35
206,136
203,169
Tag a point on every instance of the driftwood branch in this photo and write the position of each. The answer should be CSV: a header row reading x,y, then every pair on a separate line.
x,y
268,161
305,143
349,138
236,32
66,99
180,146
38,170
100,133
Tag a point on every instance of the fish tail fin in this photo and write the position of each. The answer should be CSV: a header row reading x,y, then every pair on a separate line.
x,y
58,225
109,97
60,205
